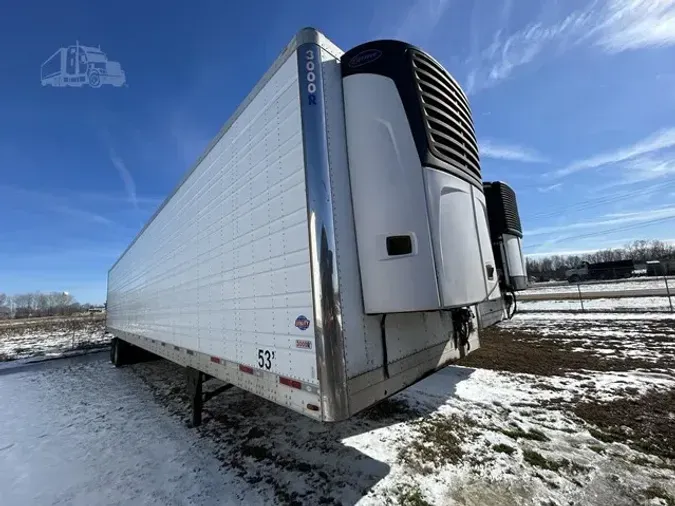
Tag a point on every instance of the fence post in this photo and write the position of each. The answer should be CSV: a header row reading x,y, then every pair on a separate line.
x,y
581,300
670,300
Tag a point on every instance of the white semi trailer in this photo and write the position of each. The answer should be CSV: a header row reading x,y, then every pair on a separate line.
x,y
330,247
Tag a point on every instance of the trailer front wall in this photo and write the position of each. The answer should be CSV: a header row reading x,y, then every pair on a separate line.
x,y
415,343
224,267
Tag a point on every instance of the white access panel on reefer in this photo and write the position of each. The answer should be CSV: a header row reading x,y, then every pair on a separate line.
x,y
224,267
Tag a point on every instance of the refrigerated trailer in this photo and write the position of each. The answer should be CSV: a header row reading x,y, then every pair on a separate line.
x,y
330,247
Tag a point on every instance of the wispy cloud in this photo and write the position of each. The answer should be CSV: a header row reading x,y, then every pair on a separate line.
x,y
502,151
522,47
553,187
647,168
116,198
612,25
71,253
419,21
658,141
125,175
637,24
120,167
40,201
608,219
74,198
505,53
83,215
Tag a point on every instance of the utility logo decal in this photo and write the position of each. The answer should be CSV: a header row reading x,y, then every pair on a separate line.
x,y
302,322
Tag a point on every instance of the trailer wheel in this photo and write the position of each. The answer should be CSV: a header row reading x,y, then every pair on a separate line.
x,y
117,351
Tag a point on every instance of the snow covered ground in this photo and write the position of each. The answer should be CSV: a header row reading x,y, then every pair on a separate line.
x,y
615,304
649,337
50,337
521,319
78,431
606,286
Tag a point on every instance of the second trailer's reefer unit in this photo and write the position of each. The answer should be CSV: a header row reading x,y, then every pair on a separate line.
x,y
506,234
330,246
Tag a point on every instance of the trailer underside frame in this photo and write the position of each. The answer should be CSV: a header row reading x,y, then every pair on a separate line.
x,y
292,393
365,389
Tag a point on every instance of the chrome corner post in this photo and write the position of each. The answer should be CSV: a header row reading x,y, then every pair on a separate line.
x,y
329,335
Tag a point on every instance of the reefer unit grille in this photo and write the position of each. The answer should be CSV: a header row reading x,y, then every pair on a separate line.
x,y
447,116
502,209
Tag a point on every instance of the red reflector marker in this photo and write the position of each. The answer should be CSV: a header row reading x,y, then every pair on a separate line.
x,y
215,360
246,369
290,383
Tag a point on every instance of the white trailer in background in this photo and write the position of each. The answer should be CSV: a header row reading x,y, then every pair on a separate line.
x,y
330,247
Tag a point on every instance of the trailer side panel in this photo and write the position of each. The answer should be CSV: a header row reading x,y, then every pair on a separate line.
x,y
223,269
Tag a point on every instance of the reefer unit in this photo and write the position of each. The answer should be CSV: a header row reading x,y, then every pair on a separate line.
x,y
506,234
419,208
329,247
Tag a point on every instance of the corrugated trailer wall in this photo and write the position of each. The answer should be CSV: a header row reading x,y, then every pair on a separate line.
x,y
224,268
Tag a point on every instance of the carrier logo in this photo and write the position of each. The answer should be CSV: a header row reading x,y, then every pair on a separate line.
x,y
364,58
302,322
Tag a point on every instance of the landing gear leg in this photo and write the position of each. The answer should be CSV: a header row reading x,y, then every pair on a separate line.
x,y
195,380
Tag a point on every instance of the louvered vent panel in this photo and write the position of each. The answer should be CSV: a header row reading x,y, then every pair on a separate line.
x,y
447,116
511,216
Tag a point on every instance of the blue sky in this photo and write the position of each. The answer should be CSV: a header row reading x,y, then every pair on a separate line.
x,y
574,105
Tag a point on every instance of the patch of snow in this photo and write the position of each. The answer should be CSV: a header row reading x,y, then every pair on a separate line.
x,y
599,287
618,304
83,433
590,316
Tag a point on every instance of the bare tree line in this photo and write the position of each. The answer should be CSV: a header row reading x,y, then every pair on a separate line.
x,y
554,266
24,305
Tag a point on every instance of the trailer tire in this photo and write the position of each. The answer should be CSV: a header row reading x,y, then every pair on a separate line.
x,y
118,349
